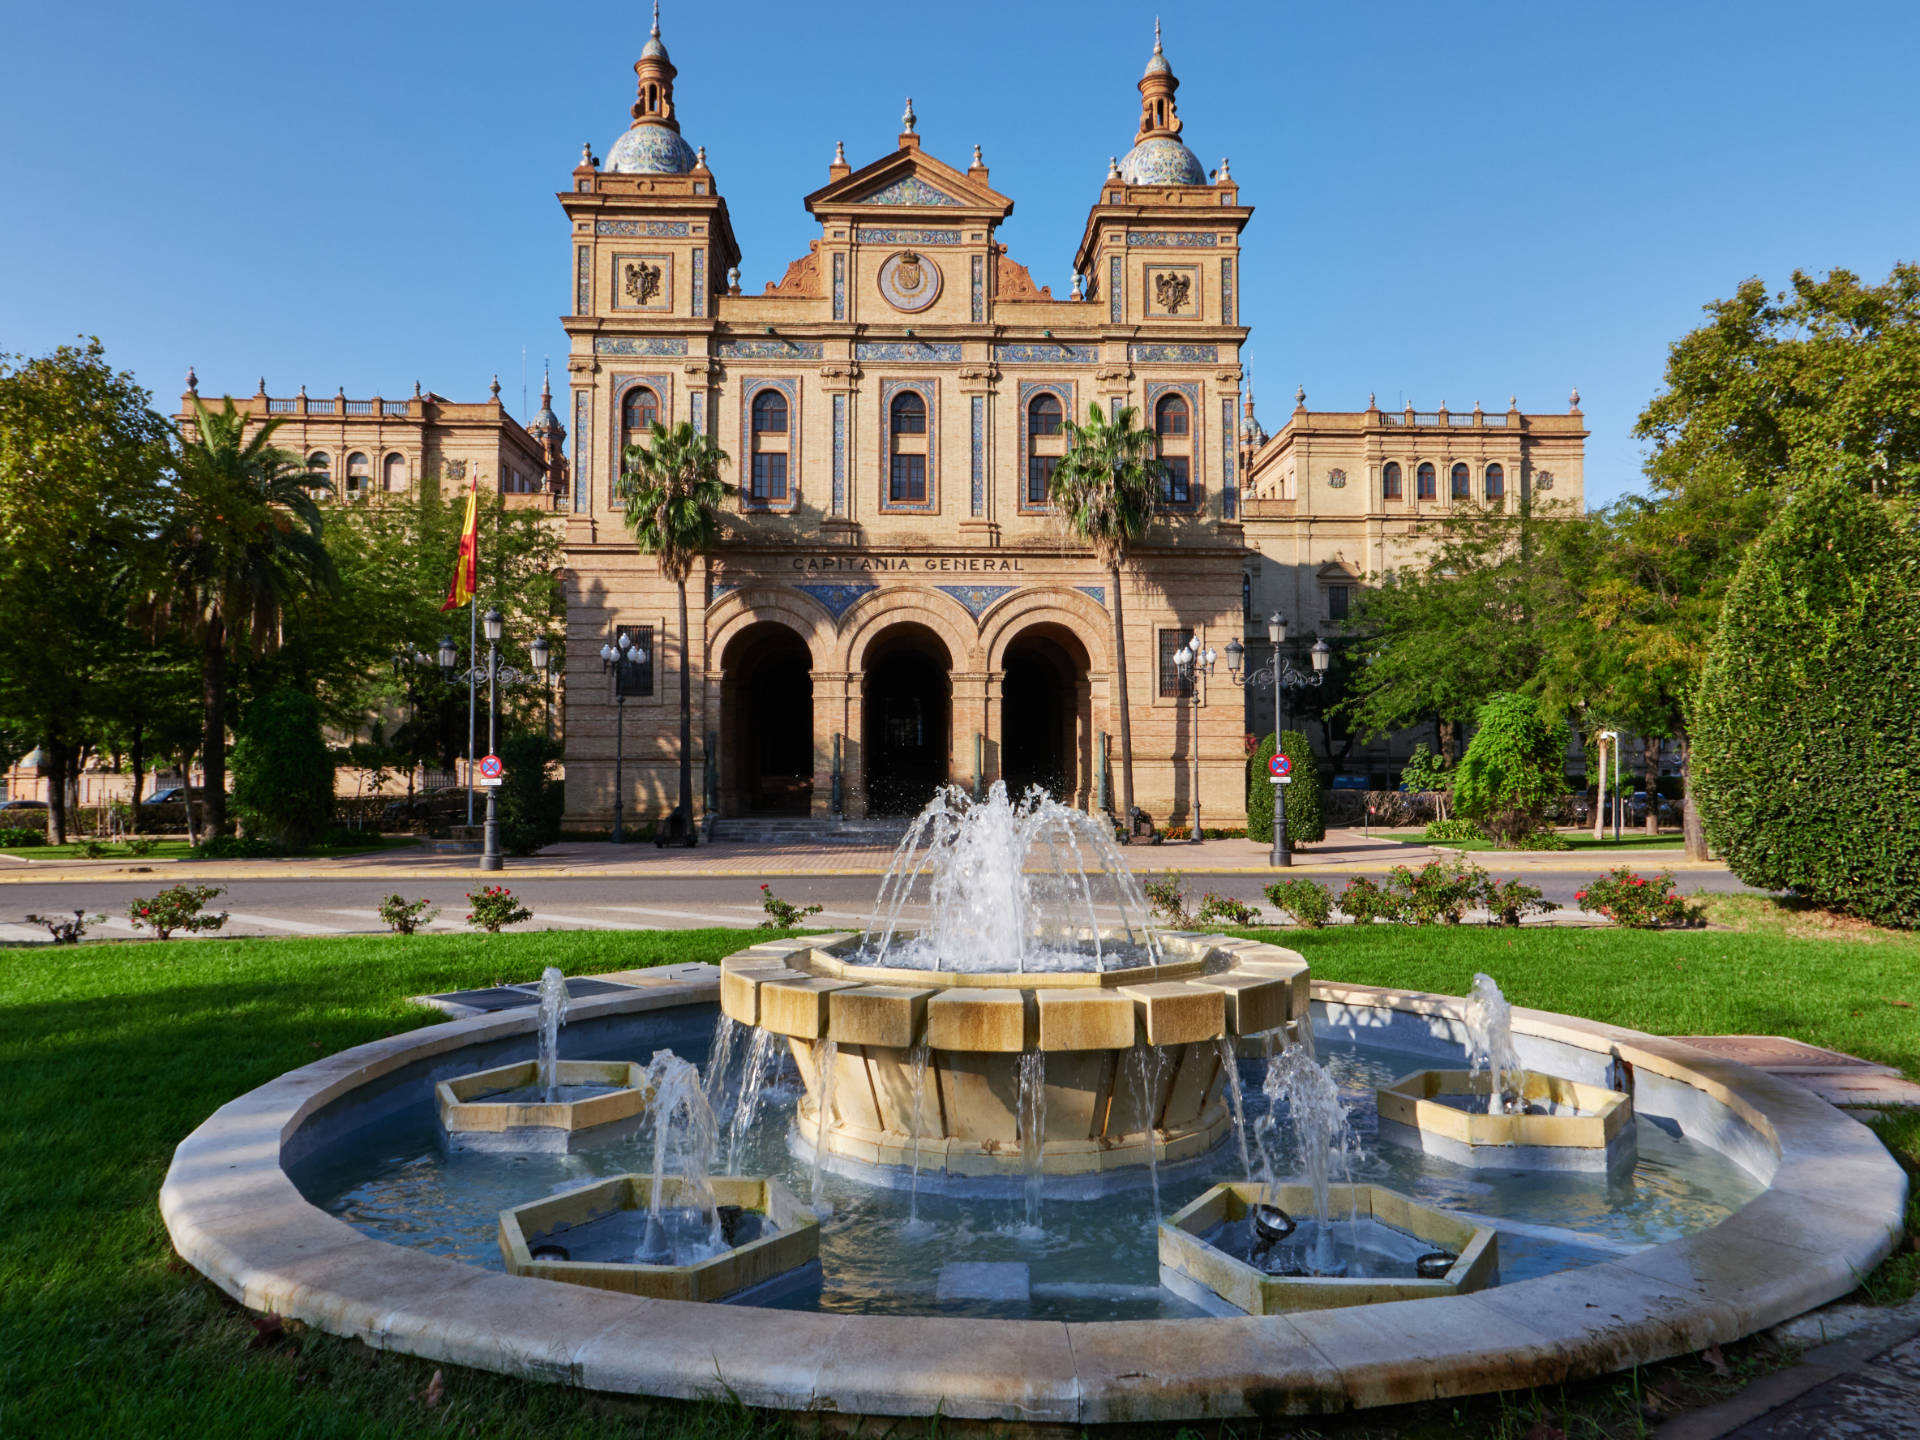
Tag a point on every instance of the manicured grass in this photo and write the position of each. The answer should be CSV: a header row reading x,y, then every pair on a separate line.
x,y
1629,840
110,1054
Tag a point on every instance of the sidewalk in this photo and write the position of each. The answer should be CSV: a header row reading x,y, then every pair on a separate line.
x,y
1344,851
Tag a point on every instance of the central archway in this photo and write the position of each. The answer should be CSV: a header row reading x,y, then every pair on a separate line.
x,y
908,719
767,715
1043,699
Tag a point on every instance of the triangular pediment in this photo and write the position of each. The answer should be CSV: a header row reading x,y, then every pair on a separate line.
x,y
911,179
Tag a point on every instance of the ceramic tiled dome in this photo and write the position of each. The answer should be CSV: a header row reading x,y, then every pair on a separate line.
x,y
649,149
1161,160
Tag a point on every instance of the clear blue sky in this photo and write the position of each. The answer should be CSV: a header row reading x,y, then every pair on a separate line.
x,y
1455,202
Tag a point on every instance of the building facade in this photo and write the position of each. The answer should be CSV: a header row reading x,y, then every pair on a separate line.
x,y
894,604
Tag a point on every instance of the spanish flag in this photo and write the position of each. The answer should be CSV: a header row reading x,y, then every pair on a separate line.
x,y
466,570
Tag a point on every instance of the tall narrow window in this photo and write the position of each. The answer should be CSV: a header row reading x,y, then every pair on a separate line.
x,y
359,473
1338,597
1390,481
907,465
395,477
1462,482
1170,416
1173,423
1424,482
638,412
1496,483
767,473
1176,480
1044,446
1246,597
1171,682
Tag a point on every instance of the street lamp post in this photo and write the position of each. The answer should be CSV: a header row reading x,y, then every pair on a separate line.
x,y
537,653
622,660
490,836
1194,665
1282,676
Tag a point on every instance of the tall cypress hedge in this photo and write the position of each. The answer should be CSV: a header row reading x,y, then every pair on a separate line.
x,y
1806,725
1306,821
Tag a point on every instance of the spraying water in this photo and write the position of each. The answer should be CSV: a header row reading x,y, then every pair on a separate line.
x,y
1489,1022
1322,1131
919,1056
1033,1128
826,1056
1009,887
1230,1064
554,1001
763,1063
1145,1064
719,1057
685,1139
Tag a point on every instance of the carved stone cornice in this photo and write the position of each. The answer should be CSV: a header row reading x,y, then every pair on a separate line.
x,y
1114,374
839,377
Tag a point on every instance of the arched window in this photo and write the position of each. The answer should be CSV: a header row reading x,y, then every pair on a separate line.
x,y
1462,481
321,464
395,472
1044,446
1172,422
1424,482
359,472
909,414
1170,416
1496,483
907,465
638,412
769,413
767,482
1390,481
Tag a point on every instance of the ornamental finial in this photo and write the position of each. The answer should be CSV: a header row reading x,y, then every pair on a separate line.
x,y
656,19
193,382
908,119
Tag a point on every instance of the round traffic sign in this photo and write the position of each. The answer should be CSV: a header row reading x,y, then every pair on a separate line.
x,y
1279,766
490,767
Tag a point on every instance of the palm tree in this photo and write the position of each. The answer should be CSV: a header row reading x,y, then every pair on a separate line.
x,y
239,543
1106,487
673,492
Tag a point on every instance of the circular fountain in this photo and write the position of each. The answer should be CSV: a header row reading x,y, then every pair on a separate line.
x,y
1036,1022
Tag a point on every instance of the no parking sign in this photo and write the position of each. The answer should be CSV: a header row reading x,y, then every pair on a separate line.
x,y
490,769
1280,768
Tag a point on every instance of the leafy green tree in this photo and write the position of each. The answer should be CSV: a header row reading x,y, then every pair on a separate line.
x,y
239,543
282,773
1106,489
1260,792
1807,746
81,459
1818,380
1306,823
1429,774
1515,766
673,492
531,799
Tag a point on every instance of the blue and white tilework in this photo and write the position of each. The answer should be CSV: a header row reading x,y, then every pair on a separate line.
x,y
1174,239
1098,592
911,190
1229,485
1162,160
1045,354
839,285
582,445
979,454
770,350
876,235
840,454
1116,299
978,598
659,229
1175,354
697,404
837,599
700,281
928,391
650,149
631,345
979,288
1226,290
583,282
906,350
1067,393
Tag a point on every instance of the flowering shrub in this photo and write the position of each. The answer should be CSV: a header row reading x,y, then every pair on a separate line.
x,y
783,914
1509,900
1307,902
494,907
1364,902
63,930
404,916
1638,903
1439,892
1168,899
177,909
1224,909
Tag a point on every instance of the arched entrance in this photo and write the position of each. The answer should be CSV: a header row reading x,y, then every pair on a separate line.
x,y
1042,700
766,707
908,705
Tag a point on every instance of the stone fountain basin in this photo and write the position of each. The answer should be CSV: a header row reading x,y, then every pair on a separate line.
x,y
1216,1279
606,1216
1088,1025
493,1110
1575,1126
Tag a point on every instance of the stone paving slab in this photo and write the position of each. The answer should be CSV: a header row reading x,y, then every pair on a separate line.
x,y
1837,1078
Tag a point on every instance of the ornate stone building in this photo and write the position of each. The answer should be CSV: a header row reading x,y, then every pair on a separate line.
x,y
895,604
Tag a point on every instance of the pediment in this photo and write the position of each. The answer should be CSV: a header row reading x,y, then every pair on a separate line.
x,y
1337,570
911,179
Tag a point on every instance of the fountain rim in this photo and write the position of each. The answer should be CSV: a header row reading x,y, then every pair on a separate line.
x,y
1831,1210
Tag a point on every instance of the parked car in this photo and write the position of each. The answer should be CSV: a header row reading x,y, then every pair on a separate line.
x,y
23,804
1351,782
173,795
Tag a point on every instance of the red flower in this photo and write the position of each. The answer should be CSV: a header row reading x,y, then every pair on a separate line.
x,y
1579,894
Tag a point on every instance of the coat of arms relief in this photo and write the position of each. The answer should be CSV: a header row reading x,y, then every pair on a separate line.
x,y
642,282
1172,290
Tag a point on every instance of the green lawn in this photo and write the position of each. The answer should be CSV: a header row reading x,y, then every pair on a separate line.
x,y
110,1053
180,850
1629,840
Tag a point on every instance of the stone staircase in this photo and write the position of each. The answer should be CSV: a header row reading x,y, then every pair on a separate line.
x,y
802,830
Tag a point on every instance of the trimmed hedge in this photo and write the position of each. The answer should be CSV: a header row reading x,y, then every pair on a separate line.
x,y
1305,821
1260,793
1806,747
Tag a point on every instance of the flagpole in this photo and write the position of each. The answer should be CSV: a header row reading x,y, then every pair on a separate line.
x,y
473,653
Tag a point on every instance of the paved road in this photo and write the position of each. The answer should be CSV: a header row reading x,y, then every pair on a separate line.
x,y
340,905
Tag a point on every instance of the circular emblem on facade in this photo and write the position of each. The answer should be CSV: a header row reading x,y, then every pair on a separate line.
x,y
909,281
1337,479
